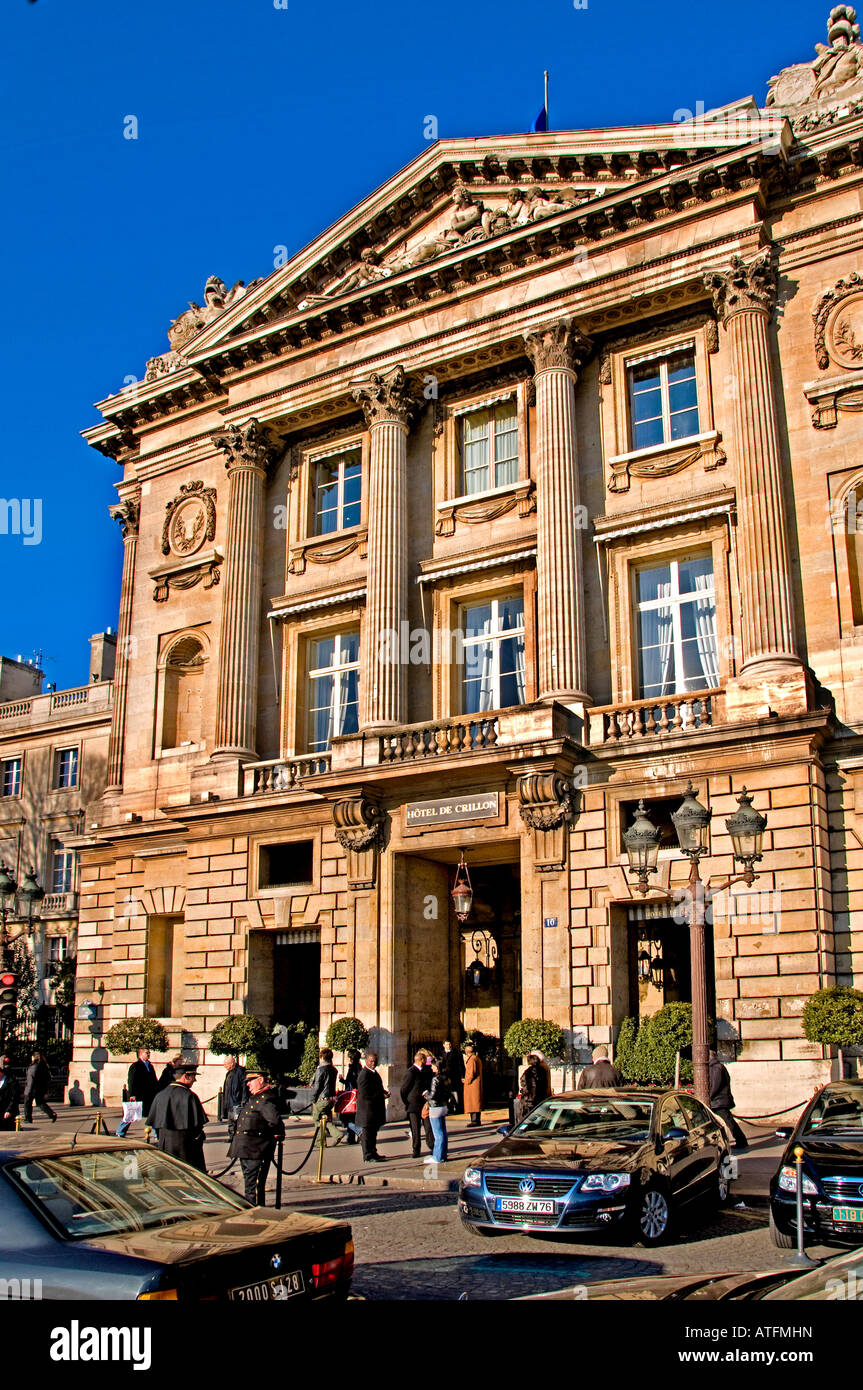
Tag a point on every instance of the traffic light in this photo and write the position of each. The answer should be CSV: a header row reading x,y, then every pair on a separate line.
x,y
8,997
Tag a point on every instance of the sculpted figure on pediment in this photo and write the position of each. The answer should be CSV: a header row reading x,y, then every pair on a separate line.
x,y
366,271
217,298
835,75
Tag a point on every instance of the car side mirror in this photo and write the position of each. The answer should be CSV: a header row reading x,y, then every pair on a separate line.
x,y
784,1133
675,1133
504,1129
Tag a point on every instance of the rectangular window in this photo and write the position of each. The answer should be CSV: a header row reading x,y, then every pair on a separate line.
x,y
677,627
62,870
663,401
493,635
56,954
489,448
334,675
66,768
337,490
283,866
10,777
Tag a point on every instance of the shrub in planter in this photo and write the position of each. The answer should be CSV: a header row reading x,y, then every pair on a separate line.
x,y
310,1059
659,1039
344,1033
131,1034
834,1017
241,1033
534,1035
624,1052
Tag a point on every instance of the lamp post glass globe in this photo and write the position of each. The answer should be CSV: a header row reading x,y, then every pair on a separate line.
x,y
7,885
746,829
31,893
691,821
641,842
462,893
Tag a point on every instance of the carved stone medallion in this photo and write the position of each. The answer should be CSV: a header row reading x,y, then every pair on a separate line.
x,y
190,520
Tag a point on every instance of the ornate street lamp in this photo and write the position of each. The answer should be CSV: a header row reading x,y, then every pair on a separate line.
x,y
746,828
480,974
462,893
641,842
30,895
691,823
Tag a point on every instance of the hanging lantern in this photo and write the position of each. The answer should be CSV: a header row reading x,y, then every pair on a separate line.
x,y
691,821
31,894
641,842
746,828
462,893
644,966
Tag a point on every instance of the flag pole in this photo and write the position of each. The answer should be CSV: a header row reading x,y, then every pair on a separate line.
x,y
547,122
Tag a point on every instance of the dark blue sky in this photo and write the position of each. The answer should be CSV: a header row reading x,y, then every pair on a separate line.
x,y
257,127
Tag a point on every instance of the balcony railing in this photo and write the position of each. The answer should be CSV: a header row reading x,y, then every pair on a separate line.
x,y
283,774
436,740
15,709
66,699
58,904
38,707
665,717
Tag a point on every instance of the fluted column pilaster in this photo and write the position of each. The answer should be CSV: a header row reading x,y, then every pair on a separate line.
x,y
744,296
127,513
387,405
556,353
248,452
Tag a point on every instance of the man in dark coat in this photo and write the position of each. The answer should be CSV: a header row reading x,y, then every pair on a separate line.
x,y
259,1129
601,1075
323,1085
36,1084
141,1084
722,1101
415,1083
533,1087
10,1095
235,1093
169,1071
454,1064
179,1117
371,1108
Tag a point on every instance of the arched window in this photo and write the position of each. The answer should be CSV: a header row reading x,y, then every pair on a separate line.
x,y
182,694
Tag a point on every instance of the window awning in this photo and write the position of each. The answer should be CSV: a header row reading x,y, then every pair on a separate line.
x,y
450,570
660,523
329,602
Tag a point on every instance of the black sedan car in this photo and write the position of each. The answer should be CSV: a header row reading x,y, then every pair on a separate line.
x,y
830,1133
107,1218
597,1160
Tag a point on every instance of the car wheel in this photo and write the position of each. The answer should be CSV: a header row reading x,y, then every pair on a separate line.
x,y
781,1238
482,1231
653,1218
723,1179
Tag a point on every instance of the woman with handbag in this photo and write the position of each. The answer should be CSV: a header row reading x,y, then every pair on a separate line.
x,y
437,1102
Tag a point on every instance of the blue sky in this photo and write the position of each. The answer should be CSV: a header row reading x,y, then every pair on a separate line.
x,y
257,127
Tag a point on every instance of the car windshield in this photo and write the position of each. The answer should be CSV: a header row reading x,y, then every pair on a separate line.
x,y
837,1111
599,1120
838,1279
119,1191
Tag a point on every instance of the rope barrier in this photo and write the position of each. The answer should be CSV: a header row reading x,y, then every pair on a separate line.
x,y
773,1114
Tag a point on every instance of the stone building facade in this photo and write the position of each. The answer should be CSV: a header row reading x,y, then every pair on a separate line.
x,y
53,760
527,491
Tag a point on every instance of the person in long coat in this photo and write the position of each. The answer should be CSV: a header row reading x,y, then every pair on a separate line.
x,y
371,1108
141,1084
454,1064
10,1095
258,1129
179,1117
472,1086
36,1084
533,1088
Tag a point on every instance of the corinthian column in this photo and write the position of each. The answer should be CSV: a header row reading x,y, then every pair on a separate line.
x,y
744,295
387,405
248,452
127,513
557,353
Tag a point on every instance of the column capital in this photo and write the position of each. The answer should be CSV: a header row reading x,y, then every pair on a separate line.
x,y
127,513
744,286
247,446
558,345
386,398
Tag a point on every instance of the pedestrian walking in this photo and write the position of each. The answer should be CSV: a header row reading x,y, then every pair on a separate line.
x,y
169,1071
601,1075
259,1128
10,1095
179,1117
533,1088
722,1101
36,1084
438,1097
235,1093
415,1083
141,1085
540,1057
348,1109
454,1065
472,1086
371,1108
323,1085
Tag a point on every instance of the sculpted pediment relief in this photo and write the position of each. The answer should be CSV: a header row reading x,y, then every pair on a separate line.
x,y
833,79
186,326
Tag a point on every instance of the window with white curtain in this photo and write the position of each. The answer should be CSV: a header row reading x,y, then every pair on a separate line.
x,y
62,870
677,627
10,777
493,637
334,675
489,448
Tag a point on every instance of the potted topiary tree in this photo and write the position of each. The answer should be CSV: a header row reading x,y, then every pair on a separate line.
x,y
344,1033
238,1035
659,1039
834,1018
624,1051
130,1034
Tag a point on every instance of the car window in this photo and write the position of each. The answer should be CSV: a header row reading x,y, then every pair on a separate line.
x,y
117,1191
839,1279
592,1120
838,1110
672,1117
695,1113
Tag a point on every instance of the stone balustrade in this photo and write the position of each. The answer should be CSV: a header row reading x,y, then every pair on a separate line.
x,y
463,735
283,774
667,716
39,708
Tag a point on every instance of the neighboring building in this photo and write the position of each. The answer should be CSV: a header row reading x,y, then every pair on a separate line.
x,y
528,490
53,752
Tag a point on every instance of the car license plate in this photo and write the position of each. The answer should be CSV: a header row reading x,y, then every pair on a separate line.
x,y
531,1206
848,1214
270,1290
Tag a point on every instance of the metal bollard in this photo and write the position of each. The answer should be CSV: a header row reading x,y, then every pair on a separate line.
x,y
801,1257
279,1147
322,1144
98,1129
17,1122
